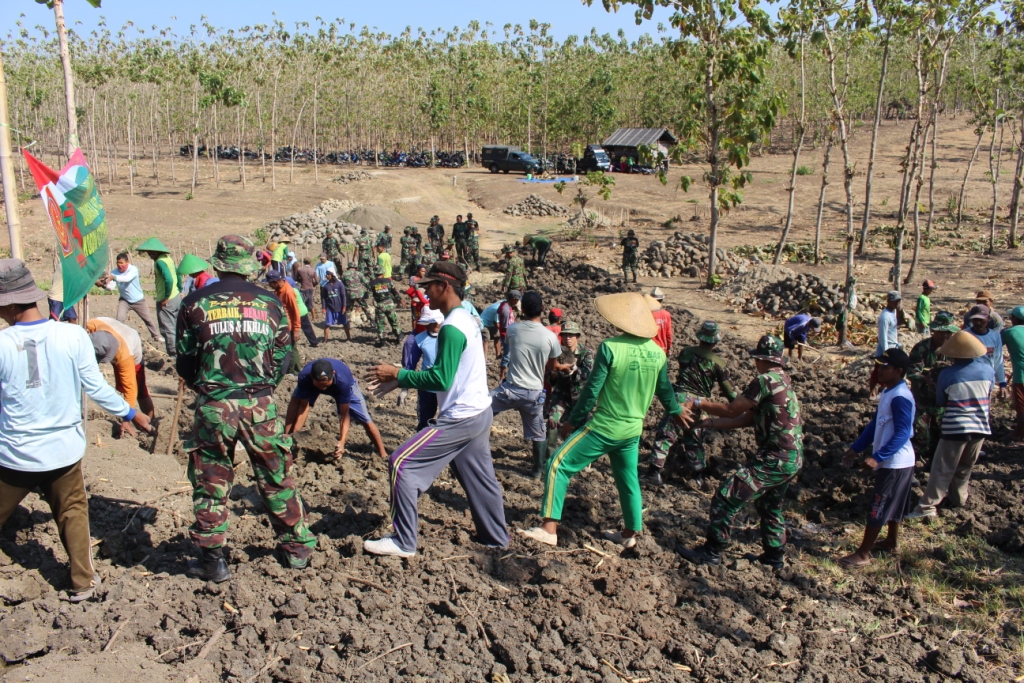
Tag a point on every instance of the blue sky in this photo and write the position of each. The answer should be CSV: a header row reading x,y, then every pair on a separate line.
x,y
565,16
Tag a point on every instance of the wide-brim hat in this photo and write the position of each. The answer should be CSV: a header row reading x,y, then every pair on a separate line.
x,y
769,348
944,322
963,344
191,264
17,286
571,327
652,303
234,254
708,333
153,244
629,312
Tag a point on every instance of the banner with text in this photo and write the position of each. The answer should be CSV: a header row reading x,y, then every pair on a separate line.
x,y
72,201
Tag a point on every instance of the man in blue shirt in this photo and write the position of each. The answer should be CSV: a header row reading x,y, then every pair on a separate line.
x,y
796,331
126,278
332,377
978,319
888,337
489,318
422,348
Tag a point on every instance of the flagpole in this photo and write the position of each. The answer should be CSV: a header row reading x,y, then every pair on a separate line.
x,y
7,170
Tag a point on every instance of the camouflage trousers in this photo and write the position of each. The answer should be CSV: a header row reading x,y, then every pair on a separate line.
x,y
763,482
254,423
668,433
630,263
384,315
462,251
473,253
927,431
555,408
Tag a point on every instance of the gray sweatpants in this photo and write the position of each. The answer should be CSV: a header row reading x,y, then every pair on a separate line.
x,y
466,445
527,402
141,308
167,317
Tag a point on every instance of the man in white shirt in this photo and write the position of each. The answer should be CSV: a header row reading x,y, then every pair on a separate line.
x,y
130,297
44,366
888,337
461,433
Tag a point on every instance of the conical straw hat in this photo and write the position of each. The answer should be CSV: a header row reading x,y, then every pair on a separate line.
x,y
963,344
629,312
652,303
191,264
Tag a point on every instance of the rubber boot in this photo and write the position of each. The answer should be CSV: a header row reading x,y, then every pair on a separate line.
x,y
703,554
210,566
771,557
540,456
654,475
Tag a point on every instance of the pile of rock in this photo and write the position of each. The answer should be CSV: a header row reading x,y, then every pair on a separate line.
x,y
688,255
796,293
590,220
535,205
310,228
353,177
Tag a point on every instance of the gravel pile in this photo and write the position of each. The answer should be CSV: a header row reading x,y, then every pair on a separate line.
x,y
535,205
687,255
312,227
794,292
353,177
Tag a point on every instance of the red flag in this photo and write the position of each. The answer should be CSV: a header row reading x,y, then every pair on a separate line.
x,y
43,174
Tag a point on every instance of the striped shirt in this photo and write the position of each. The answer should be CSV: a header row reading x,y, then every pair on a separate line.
x,y
964,390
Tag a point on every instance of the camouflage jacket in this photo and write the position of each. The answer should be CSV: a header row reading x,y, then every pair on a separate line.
x,y
408,247
700,369
428,254
384,238
232,340
630,247
473,231
778,428
384,292
365,245
923,373
356,283
566,388
435,233
460,233
515,276
331,246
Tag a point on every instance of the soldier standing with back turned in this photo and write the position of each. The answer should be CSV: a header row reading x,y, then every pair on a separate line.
x,y
473,241
385,299
233,349
630,254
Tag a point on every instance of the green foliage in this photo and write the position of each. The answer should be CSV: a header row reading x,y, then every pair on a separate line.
x,y
804,170
260,236
594,182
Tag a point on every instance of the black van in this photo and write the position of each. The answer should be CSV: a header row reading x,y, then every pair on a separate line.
x,y
594,159
506,158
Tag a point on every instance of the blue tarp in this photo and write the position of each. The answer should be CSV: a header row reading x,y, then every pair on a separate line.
x,y
567,179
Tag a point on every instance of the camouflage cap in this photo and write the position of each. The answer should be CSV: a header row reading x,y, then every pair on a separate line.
x,y
378,269
944,322
571,327
769,348
407,230
234,254
708,333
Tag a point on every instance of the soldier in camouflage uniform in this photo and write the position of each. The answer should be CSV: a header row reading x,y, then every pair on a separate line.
x,y
385,299
409,252
923,373
384,239
356,287
367,257
460,238
700,369
435,233
630,254
233,346
770,405
515,276
427,256
332,247
473,241
570,373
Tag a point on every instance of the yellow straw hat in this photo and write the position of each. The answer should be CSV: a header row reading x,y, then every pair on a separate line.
x,y
963,344
629,312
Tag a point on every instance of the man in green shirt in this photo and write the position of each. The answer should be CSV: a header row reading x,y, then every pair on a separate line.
x,y
770,406
168,298
628,371
540,245
1013,340
923,312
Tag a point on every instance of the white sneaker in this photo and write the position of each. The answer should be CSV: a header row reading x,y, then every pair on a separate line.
x,y
919,514
386,546
541,536
617,538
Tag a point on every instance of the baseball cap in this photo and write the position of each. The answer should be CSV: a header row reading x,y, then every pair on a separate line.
x,y
429,316
515,294
104,345
557,312
930,284
274,276
815,323
896,358
445,271
893,295
322,369
1017,313
981,311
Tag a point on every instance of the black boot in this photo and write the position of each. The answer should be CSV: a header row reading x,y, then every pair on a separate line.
x,y
654,476
702,554
771,557
211,566
540,456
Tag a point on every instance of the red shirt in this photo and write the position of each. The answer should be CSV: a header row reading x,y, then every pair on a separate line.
x,y
418,303
557,329
664,336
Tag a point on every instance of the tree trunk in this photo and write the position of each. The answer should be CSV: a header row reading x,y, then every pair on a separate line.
x,y
295,133
170,141
932,165
993,167
1018,183
800,132
866,221
241,146
131,160
316,161
69,83
195,142
821,201
273,135
967,175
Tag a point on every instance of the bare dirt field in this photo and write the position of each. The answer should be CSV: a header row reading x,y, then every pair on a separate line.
x,y
947,605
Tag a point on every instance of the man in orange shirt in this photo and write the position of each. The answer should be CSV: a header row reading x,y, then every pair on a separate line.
x,y
664,320
286,294
116,343
555,318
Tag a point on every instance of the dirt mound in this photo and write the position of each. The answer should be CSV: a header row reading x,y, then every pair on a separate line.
x,y
535,205
374,217
458,611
